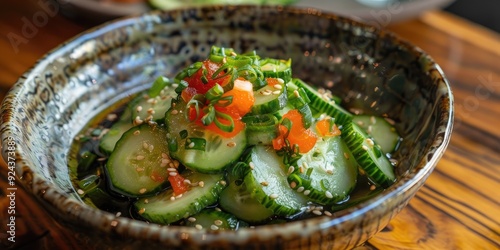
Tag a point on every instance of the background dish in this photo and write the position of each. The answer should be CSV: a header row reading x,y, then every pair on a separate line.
x,y
379,12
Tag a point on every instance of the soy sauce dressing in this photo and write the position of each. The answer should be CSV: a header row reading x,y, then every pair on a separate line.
x,y
87,168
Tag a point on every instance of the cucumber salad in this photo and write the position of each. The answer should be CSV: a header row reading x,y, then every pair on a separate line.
x,y
230,142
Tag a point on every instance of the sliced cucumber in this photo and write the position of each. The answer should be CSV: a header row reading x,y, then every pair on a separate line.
x,y
261,129
198,148
269,99
135,167
274,68
322,105
369,155
166,208
146,108
212,219
237,200
108,141
380,129
329,172
267,183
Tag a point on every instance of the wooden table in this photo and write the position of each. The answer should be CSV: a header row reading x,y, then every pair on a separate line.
x,y
458,208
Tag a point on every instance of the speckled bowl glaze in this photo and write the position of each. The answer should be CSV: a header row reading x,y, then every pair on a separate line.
x,y
369,68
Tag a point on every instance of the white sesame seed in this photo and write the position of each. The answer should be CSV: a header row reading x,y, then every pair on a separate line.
x,y
370,129
365,147
146,201
370,142
218,222
265,93
142,210
172,173
346,155
264,183
137,132
176,164
79,191
114,223
191,219
163,164
138,109
328,194
329,171
360,123
178,196
305,165
296,93
317,212
138,121
186,181
214,227
198,226
151,147
139,169
142,190
174,112
280,80
164,155
273,196
278,86
145,145
276,92
140,157
151,100
111,117
172,198
307,192
151,111
201,184
172,169
165,161
327,213
223,182
372,119
293,184
373,187
291,169
300,189
251,165
231,144
118,214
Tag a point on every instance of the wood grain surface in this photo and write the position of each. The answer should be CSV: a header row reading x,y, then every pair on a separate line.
x,y
459,206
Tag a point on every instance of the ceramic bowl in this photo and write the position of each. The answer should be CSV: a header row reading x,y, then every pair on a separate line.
x,y
367,67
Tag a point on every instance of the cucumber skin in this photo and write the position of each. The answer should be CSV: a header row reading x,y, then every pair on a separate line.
x,y
111,171
343,178
355,137
196,204
285,205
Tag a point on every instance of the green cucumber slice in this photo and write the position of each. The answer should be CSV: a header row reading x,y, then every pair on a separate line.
x,y
261,129
275,68
237,200
369,155
108,141
269,99
322,105
164,209
329,172
213,156
145,107
383,133
134,168
267,183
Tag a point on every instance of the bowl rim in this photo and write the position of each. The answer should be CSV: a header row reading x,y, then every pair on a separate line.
x,y
420,171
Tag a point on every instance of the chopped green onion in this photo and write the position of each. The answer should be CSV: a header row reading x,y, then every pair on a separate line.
x,y
158,85
196,143
224,127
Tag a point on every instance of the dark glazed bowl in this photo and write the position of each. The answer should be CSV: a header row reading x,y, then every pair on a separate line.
x,y
369,68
